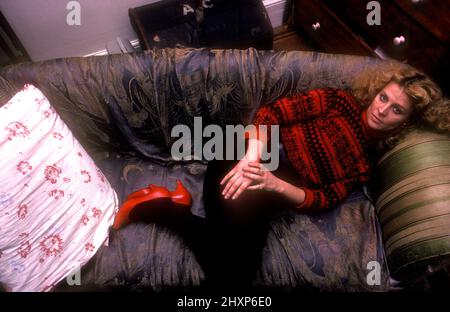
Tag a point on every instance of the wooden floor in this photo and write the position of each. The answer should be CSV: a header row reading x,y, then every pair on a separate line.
x,y
287,38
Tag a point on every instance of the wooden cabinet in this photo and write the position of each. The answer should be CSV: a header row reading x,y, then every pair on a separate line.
x,y
413,32
327,31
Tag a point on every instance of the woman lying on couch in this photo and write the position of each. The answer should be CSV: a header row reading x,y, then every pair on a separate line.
x,y
329,137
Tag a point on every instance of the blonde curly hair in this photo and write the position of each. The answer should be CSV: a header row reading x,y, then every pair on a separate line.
x,y
431,109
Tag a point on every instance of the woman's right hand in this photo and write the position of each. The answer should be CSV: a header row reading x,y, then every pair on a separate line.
x,y
262,179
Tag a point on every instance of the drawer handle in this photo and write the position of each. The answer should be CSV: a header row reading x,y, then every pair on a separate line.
x,y
315,26
399,40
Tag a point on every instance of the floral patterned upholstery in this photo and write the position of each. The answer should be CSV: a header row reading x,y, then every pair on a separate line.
x,y
122,108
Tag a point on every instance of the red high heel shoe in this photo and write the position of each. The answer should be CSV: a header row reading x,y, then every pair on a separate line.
x,y
181,201
142,192
152,203
181,196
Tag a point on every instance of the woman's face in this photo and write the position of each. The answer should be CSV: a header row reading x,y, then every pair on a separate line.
x,y
389,109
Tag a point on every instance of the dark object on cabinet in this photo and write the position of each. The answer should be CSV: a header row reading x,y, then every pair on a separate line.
x,y
165,23
414,33
11,50
213,23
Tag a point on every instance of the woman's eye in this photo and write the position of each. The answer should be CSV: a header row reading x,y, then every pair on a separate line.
x,y
383,97
396,110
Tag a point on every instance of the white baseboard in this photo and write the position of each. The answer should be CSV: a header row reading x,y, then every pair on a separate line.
x,y
275,9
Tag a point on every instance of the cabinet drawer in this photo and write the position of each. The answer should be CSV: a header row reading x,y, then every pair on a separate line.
x,y
432,15
326,30
420,48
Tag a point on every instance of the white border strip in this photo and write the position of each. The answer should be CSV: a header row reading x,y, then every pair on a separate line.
x,y
134,43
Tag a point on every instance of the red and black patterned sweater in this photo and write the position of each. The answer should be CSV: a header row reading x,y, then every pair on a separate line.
x,y
325,135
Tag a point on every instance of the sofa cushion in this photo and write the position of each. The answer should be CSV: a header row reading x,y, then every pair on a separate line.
x,y
335,250
413,204
56,206
128,172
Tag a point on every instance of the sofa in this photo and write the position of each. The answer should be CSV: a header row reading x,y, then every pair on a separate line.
x,y
121,108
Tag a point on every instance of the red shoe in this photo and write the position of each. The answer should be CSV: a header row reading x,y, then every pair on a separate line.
x,y
156,195
152,203
142,192
181,200
181,195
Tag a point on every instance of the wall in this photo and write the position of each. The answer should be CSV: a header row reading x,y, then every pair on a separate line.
x,y
42,28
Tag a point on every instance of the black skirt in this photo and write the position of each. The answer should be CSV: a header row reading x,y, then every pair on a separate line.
x,y
229,245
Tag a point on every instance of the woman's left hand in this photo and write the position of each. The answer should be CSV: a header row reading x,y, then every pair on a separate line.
x,y
262,178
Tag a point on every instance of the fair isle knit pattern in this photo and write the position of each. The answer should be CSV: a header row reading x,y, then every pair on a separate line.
x,y
324,132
